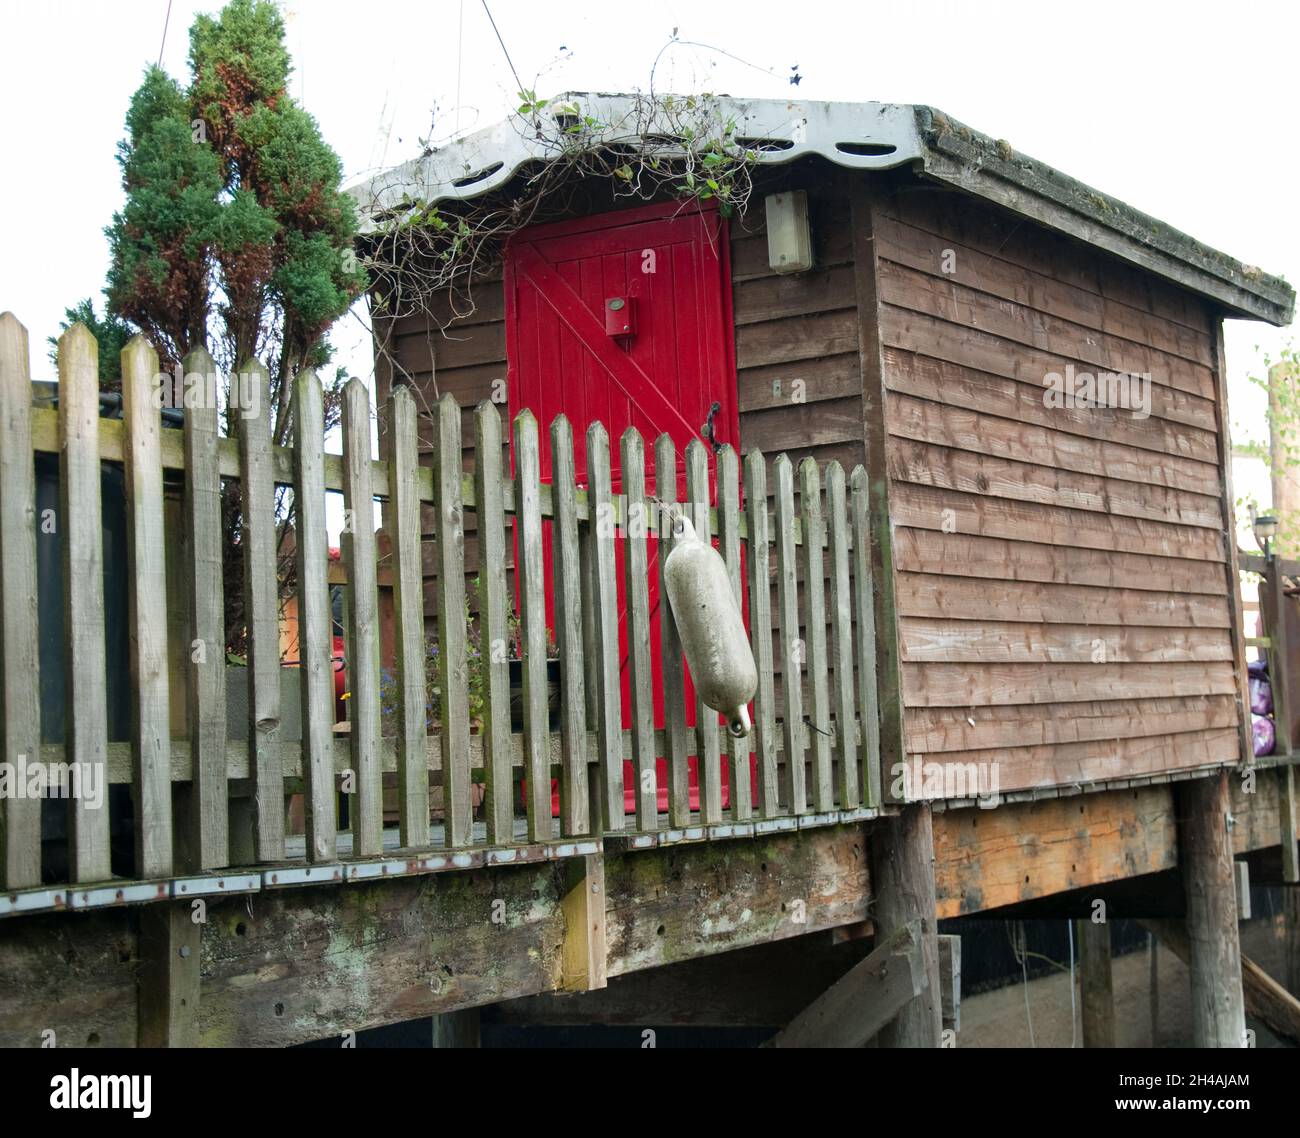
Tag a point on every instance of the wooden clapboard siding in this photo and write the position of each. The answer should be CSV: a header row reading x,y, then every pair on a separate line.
x,y
933,508
798,376
936,729
988,475
971,555
928,377
952,425
1028,247
910,243
1028,327
1066,764
1062,605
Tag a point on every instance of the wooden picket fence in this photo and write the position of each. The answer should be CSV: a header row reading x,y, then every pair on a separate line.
x,y
231,791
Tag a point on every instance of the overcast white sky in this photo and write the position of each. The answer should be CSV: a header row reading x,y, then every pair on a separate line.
x,y
1185,110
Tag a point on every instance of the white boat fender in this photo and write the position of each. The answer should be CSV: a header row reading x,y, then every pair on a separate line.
x,y
711,627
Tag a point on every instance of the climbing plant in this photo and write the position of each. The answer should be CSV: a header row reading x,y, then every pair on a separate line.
x,y
426,257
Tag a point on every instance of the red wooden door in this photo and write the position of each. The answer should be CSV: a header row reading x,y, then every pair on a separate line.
x,y
570,288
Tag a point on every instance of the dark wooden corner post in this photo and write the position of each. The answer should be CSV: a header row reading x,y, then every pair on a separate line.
x,y
1205,853
902,846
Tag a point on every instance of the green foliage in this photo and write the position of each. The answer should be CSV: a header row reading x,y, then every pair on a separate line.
x,y
233,207
1282,452
158,275
239,63
111,334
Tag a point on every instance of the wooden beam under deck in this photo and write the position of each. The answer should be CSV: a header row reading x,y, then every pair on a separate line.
x,y
283,967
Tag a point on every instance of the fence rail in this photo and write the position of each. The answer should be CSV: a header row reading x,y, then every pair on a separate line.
x,y
798,562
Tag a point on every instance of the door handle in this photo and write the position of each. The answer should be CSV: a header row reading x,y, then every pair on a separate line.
x,y
708,430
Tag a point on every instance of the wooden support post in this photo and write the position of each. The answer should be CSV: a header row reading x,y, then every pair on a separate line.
x,y
584,952
1287,815
1242,873
902,857
1096,988
456,1029
950,981
1214,958
866,998
1291,944
1153,992
1264,998
168,1000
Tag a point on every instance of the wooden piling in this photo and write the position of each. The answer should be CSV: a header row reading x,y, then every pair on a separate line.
x,y
1096,986
902,857
1205,851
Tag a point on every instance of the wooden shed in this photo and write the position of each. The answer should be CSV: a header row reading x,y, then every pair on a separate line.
x,y
998,399
1031,371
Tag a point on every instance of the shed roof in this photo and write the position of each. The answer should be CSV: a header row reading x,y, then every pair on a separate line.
x,y
861,136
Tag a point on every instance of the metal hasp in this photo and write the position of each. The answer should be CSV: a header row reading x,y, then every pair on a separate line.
x,y
711,627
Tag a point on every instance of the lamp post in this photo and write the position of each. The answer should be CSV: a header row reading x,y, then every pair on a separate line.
x,y
1265,527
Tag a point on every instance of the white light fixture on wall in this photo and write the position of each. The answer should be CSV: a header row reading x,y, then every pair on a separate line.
x,y
789,238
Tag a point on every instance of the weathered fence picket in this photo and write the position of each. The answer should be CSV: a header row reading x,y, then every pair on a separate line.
x,y
532,617
366,813
147,620
20,687
567,570
810,508
815,707
738,750
709,757
676,745
865,646
792,645
760,634
410,712
602,603
80,530
205,687
314,618
846,728
260,542
453,648
636,529
494,633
